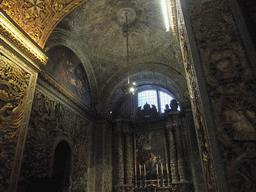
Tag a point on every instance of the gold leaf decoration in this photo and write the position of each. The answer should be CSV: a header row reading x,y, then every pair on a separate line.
x,y
13,89
38,17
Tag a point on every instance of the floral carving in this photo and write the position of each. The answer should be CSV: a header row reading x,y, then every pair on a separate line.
x,y
34,9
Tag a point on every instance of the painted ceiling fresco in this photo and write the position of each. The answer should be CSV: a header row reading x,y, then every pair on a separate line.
x,y
67,69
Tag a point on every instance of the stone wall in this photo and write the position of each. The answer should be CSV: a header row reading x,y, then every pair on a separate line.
x,y
50,123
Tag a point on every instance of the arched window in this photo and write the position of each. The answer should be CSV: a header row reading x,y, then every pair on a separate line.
x,y
154,97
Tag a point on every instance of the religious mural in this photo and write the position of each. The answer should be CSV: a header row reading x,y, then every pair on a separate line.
x,y
68,70
150,155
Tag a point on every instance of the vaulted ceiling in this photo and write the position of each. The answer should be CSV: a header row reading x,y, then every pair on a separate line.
x,y
94,30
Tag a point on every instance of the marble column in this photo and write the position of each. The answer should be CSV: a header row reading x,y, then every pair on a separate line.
x,y
180,149
128,158
172,151
120,161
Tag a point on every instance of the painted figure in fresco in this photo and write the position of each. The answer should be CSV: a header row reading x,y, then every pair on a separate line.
x,y
67,68
60,70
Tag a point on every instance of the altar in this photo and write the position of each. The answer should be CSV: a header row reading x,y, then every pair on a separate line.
x,y
150,155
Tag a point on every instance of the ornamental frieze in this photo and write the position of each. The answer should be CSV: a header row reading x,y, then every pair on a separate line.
x,y
38,17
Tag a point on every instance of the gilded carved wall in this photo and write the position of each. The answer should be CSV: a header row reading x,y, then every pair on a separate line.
x,y
231,88
50,121
14,83
38,17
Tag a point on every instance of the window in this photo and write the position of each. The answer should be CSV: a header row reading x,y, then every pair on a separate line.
x,y
154,97
149,97
164,99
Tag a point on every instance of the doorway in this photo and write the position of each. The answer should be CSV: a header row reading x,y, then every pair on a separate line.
x,y
62,167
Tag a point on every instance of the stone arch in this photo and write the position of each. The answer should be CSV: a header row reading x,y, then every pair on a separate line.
x,y
56,142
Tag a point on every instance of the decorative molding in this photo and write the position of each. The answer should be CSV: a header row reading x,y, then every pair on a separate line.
x,y
38,18
21,41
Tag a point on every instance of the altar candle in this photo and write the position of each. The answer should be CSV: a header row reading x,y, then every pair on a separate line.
x,y
157,169
144,169
167,170
135,171
140,169
162,168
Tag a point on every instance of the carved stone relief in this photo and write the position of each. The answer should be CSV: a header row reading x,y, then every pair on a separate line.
x,y
50,120
14,83
231,87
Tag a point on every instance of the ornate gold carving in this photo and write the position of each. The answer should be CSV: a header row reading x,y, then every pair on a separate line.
x,y
13,88
15,36
14,83
38,17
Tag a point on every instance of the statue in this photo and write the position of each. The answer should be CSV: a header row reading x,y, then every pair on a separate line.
x,y
154,110
146,106
166,108
174,105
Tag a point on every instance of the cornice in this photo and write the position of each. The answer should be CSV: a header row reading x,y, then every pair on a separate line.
x,y
11,32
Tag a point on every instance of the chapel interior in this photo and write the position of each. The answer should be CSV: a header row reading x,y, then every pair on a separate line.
x,y
127,96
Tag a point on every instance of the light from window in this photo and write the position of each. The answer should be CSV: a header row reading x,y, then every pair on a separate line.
x,y
149,97
164,99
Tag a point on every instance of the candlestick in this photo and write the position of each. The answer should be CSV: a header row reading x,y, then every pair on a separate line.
x,y
162,168
157,169
140,169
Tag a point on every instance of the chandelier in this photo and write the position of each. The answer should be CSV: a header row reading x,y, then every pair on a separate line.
x,y
128,88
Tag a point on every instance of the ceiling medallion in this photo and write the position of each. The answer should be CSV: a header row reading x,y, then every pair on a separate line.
x,y
126,12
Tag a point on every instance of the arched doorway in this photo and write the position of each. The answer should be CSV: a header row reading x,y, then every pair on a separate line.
x,y
62,167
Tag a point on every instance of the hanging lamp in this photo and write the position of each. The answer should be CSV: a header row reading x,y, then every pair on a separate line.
x,y
128,88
